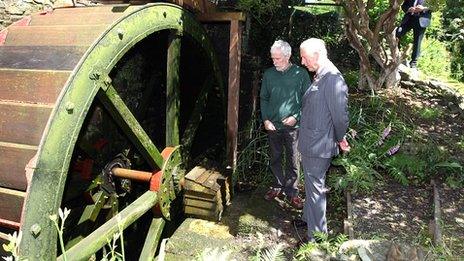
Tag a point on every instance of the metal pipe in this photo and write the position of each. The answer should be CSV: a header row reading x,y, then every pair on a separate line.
x,y
132,174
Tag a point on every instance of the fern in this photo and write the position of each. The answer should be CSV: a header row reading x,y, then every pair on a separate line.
x,y
273,253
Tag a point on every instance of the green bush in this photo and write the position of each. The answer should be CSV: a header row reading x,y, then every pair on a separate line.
x,y
453,26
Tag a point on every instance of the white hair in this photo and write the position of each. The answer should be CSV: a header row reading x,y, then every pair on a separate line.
x,y
283,46
314,45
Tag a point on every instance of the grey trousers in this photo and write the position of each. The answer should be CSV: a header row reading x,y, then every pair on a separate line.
x,y
315,203
280,141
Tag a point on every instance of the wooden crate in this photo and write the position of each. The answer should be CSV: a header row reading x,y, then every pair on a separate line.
x,y
205,194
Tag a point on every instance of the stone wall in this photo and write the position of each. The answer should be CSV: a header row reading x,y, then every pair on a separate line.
x,y
13,10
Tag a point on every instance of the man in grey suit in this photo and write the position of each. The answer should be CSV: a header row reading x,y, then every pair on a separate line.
x,y
324,121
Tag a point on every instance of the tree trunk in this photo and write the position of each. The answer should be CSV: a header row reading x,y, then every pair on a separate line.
x,y
375,43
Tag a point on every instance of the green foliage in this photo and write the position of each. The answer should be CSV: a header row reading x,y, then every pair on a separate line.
x,y
435,5
59,225
13,246
253,157
271,253
351,78
434,59
404,165
430,113
453,25
372,147
259,8
330,245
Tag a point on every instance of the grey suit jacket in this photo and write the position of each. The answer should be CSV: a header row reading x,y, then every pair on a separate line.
x,y
324,114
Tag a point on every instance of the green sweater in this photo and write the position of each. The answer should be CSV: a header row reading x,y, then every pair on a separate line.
x,y
281,94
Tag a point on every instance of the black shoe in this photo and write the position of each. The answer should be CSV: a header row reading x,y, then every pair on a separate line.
x,y
299,223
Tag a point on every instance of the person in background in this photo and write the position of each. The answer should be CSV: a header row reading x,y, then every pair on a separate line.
x,y
282,88
324,122
416,17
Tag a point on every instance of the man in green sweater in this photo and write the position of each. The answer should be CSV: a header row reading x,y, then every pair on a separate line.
x,y
282,88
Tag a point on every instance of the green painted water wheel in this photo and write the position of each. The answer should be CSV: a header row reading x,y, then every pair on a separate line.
x,y
98,123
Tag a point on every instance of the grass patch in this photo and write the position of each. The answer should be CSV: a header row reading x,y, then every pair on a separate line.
x,y
428,113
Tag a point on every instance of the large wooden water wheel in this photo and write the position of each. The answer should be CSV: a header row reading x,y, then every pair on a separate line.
x,y
102,111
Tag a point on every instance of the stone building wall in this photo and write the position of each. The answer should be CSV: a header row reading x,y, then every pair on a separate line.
x,y
13,10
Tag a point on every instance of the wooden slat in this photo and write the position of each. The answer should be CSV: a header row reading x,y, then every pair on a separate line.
x,y
205,204
211,182
22,123
95,9
40,57
31,86
203,177
68,18
66,35
195,173
199,196
11,204
200,212
191,186
13,160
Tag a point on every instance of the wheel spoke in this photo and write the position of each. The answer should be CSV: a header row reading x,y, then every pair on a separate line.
x,y
173,90
195,118
96,240
88,218
131,127
152,239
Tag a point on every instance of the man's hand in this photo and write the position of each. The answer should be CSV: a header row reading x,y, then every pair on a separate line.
x,y
411,9
268,125
419,8
289,121
344,146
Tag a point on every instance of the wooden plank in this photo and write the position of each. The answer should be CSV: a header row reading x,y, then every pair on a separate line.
x,y
13,160
200,204
68,18
201,212
97,239
221,17
22,123
233,93
203,177
40,57
190,185
195,173
211,182
11,205
64,35
32,86
199,196
97,10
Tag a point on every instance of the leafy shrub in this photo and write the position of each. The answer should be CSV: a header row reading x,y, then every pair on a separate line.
x,y
453,26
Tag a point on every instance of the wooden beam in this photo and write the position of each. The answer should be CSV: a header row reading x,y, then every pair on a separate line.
x,y
221,17
233,93
173,89
153,237
100,237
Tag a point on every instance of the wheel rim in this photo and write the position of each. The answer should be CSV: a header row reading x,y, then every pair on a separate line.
x,y
89,78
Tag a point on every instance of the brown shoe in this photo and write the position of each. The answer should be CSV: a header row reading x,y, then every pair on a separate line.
x,y
272,193
295,202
